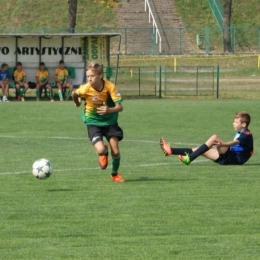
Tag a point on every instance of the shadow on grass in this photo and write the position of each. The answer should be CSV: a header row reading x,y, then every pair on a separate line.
x,y
59,190
148,179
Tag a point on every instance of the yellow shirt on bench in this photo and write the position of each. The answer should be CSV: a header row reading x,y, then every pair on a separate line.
x,y
19,76
61,74
42,76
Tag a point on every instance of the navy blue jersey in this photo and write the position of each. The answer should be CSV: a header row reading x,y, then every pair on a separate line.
x,y
4,75
245,148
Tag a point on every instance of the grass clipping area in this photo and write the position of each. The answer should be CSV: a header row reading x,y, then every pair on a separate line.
x,y
163,210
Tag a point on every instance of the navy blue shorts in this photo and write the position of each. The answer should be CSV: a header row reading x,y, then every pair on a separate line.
x,y
96,133
229,158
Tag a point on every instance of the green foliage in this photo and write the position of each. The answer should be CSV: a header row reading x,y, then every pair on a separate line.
x,y
54,13
164,210
198,13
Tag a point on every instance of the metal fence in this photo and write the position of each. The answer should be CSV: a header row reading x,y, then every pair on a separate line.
x,y
166,81
175,41
179,41
189,80
136,81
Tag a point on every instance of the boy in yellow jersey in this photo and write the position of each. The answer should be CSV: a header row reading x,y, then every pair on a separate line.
x,y
20,81
42,76
61,78
102,104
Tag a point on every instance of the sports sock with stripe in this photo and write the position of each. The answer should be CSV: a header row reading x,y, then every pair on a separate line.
x,y
37,92
51,94
69,93
24,90
60,95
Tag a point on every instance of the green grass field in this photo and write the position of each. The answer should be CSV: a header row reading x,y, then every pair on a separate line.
x,y
163,210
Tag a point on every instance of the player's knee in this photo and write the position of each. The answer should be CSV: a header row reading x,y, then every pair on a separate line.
x,y
101,151
213,138
100,148
115,153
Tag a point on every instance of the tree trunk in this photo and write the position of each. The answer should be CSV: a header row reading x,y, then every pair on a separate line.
x,y
72,15
226,26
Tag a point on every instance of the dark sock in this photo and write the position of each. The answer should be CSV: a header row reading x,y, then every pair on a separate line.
x,y
181,151
201,150
115,165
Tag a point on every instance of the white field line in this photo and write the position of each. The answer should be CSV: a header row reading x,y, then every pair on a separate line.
x,y
94,168
86,138
97,168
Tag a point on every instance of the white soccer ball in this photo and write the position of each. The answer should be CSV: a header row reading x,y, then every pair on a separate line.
x,y
42,169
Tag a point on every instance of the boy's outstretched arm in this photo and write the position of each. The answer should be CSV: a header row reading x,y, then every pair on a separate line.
x,y
76,99
227,144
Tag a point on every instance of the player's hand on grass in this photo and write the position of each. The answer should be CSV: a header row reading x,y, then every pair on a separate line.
x,y
103,109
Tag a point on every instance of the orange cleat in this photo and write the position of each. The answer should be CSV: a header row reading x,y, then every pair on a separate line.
x,y
165,147
117,178
103,160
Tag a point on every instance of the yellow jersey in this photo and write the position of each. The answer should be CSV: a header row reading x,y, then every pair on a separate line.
x,y
61,74
94,99
42,76
19,76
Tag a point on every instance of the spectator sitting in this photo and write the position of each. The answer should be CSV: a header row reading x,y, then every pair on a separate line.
x,y
20,81
61,78
4,76
42,76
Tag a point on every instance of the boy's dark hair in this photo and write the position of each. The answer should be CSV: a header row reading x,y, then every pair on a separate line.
x,y
4,65
19,63
61,62
244,117
42,63
92,65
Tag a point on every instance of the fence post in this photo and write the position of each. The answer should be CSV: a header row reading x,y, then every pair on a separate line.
x,y
181,41
197,80
233,38
258,40
217,81
139,80
174,64
160,81
153,42
125,41
207,40
164,79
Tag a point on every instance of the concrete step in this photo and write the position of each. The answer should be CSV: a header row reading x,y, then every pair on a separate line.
x,y
131,14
